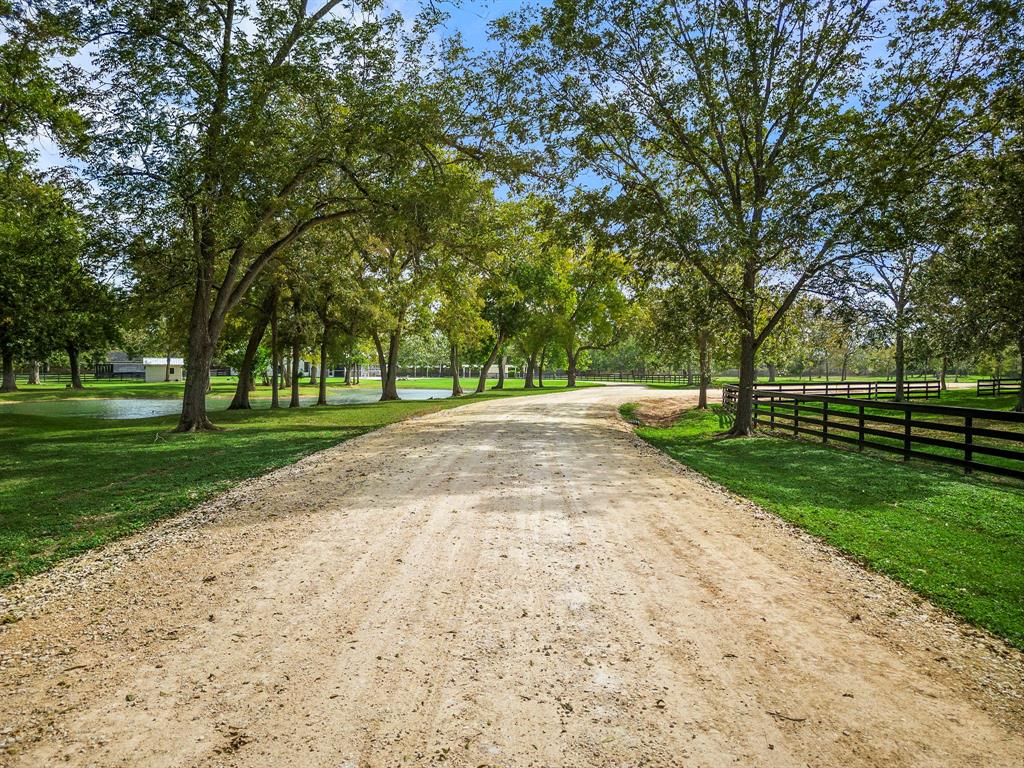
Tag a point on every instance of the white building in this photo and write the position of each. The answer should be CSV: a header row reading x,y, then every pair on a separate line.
x,y
157,368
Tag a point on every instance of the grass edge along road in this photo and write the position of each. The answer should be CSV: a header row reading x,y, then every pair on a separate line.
x,y
68,484
956,540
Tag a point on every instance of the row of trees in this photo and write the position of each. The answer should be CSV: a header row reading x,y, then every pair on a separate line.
x,y
320,173
50,297
485,278
758,153
726,175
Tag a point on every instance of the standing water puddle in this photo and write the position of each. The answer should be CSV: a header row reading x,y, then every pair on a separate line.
x,y
145,407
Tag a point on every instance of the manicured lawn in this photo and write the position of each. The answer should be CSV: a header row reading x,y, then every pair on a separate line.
x,y
69,484
982,409
968,398
958,541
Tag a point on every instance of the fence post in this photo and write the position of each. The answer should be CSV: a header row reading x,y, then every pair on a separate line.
x,y
906,432
824,421
860,428
796,417
968,442
772,421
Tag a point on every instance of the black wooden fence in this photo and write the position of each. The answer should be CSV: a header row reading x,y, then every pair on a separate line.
x,y
918,388
47,377
872,390
946,434
638,376
998,386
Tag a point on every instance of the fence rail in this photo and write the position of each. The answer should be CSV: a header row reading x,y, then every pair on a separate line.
x,y
926,388
872,390
57,376
998,386
953,435
636,376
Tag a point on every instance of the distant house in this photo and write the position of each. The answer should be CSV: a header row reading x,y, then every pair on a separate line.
x,y
150,369
158,369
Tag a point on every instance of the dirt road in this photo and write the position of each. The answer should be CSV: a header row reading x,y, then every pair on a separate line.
x,y
512,583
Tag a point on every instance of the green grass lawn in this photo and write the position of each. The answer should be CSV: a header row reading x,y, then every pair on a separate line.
x,y
69,484
951,398
958,541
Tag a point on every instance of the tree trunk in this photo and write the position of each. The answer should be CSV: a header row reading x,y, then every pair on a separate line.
x,y
275,358
294,402
453,360
570,357
744,423
705,368
203,331
33,372
540,368
481,384
245,379
389,385
321,398
382,360
501,372
197,381
900,365
771,373
76,376
314,375
10,383
942,371
531,365
846,363
167,366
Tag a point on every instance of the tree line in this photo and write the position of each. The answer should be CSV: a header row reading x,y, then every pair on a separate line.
x,y
740,180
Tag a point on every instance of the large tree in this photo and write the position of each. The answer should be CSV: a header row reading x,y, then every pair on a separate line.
x,y
749,141
458,314
984,260
592,305
431,223
239,127
893,278
41,278
688,316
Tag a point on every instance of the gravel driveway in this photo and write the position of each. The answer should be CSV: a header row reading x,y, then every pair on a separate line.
x,y
517,582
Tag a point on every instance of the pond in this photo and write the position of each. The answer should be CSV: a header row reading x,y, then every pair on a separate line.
x,y
145,407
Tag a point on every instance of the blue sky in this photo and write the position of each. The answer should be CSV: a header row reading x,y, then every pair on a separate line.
x,y
468,18
471,18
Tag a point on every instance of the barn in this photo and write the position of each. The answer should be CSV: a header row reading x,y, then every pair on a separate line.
x,y
157,368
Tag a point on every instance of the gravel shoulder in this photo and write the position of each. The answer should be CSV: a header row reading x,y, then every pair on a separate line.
x,y
518,582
